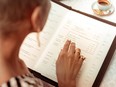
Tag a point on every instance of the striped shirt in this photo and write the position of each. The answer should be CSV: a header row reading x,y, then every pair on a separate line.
x,y
25,81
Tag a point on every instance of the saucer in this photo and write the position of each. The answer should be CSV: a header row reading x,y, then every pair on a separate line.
x,y
97,11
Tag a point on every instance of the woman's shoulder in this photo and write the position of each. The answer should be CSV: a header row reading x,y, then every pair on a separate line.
x,y
23,81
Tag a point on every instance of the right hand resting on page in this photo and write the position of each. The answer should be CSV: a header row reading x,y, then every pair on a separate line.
x,y
68,65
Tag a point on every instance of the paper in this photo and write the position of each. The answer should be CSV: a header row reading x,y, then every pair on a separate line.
x,y
30,52
93,37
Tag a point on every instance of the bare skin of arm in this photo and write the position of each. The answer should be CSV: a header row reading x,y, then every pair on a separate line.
x,y
68,65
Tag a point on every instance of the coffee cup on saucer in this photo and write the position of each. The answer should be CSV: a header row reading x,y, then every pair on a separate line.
x,y
104,4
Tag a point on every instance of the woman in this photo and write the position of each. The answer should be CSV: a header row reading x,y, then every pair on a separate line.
x,y
18,18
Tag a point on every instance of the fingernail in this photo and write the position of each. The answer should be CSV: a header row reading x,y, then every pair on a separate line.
x,y
73,44
79,49
68,40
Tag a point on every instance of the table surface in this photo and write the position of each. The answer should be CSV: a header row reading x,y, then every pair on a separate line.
x,y
86,6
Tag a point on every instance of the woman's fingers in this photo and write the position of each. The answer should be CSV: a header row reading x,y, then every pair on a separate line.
x,y
77,54
78,64
72,49
64,51
69,63
66,46
80,61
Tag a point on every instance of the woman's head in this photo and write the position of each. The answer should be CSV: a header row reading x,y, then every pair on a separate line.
x,y
16,14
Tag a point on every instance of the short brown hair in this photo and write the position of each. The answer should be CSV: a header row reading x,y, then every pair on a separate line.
x,y
12,11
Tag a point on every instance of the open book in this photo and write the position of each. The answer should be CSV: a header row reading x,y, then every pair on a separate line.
x,y
93,37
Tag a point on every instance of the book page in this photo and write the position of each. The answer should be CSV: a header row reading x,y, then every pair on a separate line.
x,y
93,37
30,52
109,79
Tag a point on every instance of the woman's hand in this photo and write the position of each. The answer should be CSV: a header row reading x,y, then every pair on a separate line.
x,y
68,65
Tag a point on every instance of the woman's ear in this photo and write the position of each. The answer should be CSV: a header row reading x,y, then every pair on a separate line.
x,y
36,19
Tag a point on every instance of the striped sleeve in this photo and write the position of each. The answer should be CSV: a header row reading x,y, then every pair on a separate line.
x,y
22,82
26,81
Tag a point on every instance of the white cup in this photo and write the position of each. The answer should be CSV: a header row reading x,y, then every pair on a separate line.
x,y
104,4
